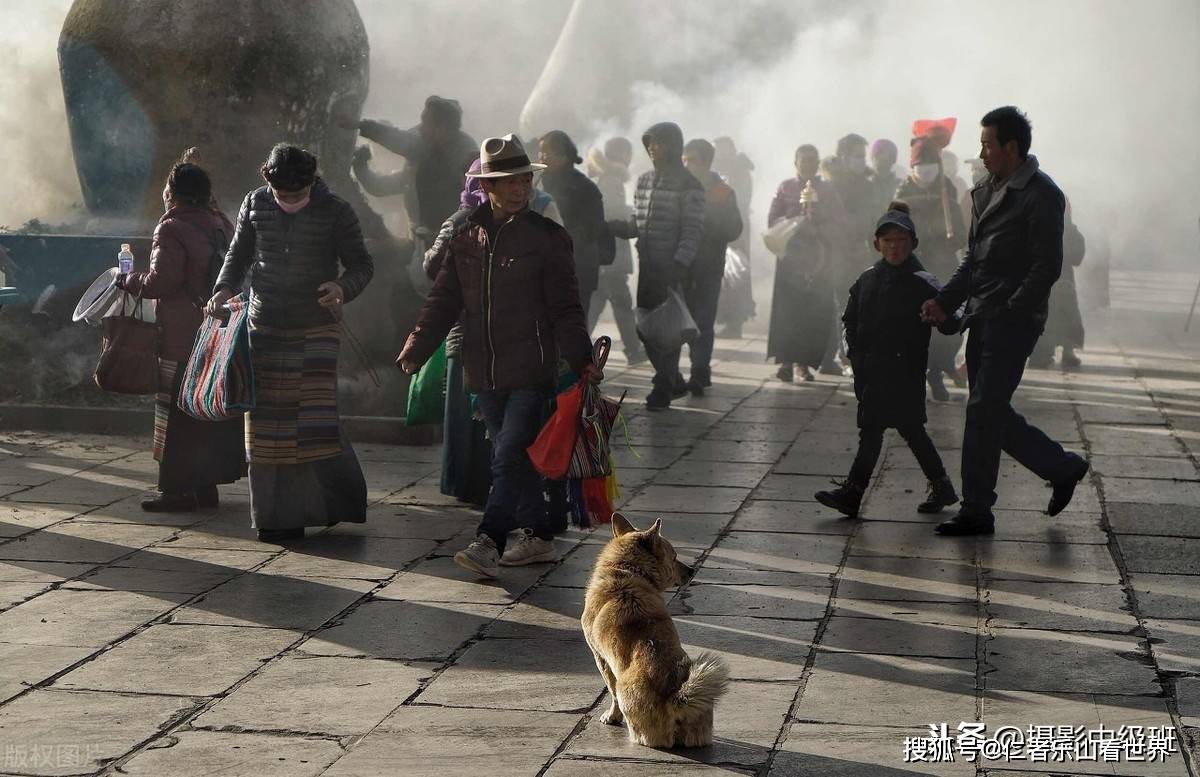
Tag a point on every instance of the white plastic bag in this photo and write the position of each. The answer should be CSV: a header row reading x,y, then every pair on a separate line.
x,y
735,269
669,325
777,237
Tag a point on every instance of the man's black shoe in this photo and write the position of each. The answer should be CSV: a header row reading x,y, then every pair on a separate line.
x,y
846,498
966,524
279,535
1064,491
659,399
941,494
170,503
680,389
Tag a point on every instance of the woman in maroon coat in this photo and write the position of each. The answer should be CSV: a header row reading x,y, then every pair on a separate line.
x,y
193,456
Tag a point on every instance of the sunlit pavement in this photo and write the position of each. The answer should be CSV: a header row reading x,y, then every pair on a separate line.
x,y
142,644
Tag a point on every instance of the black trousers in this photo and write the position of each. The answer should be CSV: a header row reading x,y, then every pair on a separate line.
x,y
655,280
996,352
702,292
870,444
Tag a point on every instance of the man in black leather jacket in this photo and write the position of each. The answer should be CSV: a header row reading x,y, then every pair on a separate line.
x,y
1014,256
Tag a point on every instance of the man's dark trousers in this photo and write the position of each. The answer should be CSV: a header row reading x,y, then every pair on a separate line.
x,y
702,294
655,279
996,352
513,421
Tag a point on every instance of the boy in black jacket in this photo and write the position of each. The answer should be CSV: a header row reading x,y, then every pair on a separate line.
x,y
888,346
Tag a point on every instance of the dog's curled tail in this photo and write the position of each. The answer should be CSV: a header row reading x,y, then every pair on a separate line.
x,y
707,680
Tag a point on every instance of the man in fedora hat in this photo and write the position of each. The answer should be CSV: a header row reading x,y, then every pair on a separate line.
x,y
509,274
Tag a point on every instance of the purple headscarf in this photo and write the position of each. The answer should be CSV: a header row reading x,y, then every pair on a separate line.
x,y
473,194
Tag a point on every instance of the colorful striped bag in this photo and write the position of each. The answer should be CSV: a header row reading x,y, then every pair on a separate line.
x,y
218,382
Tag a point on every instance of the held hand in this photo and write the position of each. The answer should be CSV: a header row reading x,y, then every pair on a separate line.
x,y
407,365
331,293
593,373
215,305
362,155
932,313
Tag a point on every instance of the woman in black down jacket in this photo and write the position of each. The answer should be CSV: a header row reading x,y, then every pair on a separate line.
x,y
295,231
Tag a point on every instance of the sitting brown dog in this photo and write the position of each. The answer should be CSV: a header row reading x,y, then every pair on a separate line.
x,y
665,698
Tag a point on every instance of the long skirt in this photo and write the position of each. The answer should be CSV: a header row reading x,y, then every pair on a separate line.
x,y
466,452
303,471
192,454
802,314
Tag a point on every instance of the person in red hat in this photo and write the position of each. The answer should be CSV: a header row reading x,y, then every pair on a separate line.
x,y
934,203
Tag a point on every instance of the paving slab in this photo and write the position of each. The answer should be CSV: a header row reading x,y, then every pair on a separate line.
x,y
42,571
171,558
274,601
897,638
874,578
545,613
821,750
734,451
1069,662
1059,606
152,580
753,648
1167,596
410,522
1162,555
753,600
363,558
807,553
94,542
1158,467
645,456
441,580
219,752
83,618
690,472
14,593
1166,520
688,499
880,690
580,767
16,519
1090,711
782,516
746,723
1176,644
434,741
180,660
1062,562
26,665
519,674
318,695
403,630
63,732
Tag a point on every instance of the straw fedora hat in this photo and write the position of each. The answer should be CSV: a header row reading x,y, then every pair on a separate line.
x,y
502,157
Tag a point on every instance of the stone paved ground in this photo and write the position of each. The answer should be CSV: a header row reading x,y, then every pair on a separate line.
x,y
178,645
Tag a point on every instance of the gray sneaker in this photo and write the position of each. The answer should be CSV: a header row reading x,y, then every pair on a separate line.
x,y
480,557
529,550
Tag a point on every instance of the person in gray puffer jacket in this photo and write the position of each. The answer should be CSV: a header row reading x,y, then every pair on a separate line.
x,y
668,222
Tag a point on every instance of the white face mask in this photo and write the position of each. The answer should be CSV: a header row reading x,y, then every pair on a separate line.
x,y
856,164
925,173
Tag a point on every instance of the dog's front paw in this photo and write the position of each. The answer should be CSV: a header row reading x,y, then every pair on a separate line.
x,y
613,717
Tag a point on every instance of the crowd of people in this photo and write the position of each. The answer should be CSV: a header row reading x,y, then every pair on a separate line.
x,y
523,256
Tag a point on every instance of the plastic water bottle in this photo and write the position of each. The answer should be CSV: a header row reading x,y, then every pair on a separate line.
x,y
125,260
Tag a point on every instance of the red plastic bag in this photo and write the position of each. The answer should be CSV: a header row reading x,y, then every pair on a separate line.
x,y
551,451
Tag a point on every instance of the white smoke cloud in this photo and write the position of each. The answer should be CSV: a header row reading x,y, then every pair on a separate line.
x,y
1110,86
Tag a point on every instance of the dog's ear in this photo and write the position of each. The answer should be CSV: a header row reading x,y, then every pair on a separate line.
x,y
656,529
621,525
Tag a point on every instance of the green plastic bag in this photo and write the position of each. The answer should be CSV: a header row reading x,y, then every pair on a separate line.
x,y
427,392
